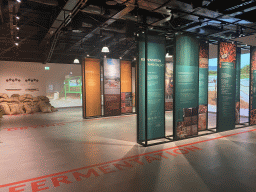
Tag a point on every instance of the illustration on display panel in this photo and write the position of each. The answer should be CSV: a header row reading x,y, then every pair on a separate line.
x,y
253,87
238,70
203,85
226,86
126,87
169,86
188,126
112,87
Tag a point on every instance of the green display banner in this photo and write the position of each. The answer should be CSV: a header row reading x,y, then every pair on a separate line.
x,y
203,86
238,70
252,110
186,87
155,101
226,86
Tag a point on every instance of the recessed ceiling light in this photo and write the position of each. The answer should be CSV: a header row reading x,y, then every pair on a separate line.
x,y
17,28
17,44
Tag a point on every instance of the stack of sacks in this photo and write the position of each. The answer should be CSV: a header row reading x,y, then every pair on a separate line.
x,y
12,105
27,101
44,105
17,104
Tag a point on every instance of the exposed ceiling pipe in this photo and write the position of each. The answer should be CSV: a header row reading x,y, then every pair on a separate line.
x,y
118,15
46,2
71,8
162,21
1,12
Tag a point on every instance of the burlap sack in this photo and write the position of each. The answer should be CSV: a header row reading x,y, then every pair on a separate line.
x,y
21,109
11,100
28,108
14,109
45,107
44,99
35,99
4,95
1,112
15,96
36,108
54,109
26,96
6,108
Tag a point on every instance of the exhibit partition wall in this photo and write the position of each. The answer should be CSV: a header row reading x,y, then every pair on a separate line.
x,y
91,87
203,85
226,86
238,70
252,98
151,88
126,87
112,91
186,87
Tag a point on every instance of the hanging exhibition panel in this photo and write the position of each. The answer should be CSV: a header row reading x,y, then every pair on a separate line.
x,y
169,86
186,87
133,88
203,86
151,98
91,87
238,70
112,98
126,87
226,86
252,109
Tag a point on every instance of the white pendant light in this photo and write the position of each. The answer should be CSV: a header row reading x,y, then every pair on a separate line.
x,y
76,61
105,49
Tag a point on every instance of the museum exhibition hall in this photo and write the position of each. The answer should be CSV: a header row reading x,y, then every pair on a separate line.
x,y
127,95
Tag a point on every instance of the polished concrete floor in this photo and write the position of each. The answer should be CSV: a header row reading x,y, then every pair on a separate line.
x,y
62,152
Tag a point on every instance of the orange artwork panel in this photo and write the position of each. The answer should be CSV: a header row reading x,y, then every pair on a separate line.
x,y
92,87
126,76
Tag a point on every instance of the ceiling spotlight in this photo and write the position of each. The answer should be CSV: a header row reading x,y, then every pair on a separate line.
x,y
134,58
19,1
17,37
17,28
17,17
88,55
76,61
105,49
17,44
105,56
120,57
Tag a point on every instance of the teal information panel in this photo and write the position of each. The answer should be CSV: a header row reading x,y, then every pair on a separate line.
x,y
203,86
238,70
186,87
155,88
226,86
252,111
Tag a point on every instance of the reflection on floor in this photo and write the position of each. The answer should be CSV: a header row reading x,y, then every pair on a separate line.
x,y
62,152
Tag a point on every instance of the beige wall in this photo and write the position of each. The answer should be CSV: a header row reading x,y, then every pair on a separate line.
x,y
29,70
22,71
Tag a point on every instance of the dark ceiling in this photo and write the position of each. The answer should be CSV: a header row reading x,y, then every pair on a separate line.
x,y
58,31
